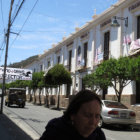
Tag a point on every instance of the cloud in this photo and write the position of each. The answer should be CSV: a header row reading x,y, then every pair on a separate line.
x,y
44,18
25,47
73,4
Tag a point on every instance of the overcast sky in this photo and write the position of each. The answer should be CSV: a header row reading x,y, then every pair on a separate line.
x,y
45,24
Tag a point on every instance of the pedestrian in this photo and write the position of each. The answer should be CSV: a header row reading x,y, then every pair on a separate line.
x,y
80,120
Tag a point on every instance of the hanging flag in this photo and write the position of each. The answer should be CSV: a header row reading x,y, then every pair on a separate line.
x,y
16,74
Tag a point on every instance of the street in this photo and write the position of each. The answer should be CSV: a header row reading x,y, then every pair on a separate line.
x,y
33,119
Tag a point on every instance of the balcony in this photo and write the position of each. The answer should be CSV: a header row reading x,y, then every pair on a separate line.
x,y
81,69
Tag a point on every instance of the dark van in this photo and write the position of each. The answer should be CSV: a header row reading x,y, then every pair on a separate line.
x,y
16,96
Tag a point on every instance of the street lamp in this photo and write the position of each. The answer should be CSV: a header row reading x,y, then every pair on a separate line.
x,y
115,22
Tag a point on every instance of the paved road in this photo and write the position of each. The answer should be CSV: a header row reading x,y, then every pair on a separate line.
x,y
33,119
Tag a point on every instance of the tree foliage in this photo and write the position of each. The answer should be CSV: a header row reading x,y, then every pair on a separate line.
x,y
57,76
116,73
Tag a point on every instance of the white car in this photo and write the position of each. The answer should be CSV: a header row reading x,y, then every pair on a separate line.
x,y
116,113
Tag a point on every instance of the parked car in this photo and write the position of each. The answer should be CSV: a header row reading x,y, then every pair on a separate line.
x,y
116,113
16,96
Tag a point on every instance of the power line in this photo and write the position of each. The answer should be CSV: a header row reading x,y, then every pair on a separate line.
x,y
17,12
49,16
6,53
2,13
2,49
16,6
25,22
2,44
43,31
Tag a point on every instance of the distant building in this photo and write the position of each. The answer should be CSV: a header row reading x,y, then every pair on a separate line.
x,y
96,41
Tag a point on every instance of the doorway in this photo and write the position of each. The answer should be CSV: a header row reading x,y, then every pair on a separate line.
x,y
137,92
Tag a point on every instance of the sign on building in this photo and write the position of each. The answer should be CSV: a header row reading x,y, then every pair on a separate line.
x,y
16,74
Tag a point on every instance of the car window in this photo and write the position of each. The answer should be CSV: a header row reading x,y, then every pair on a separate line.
x,y
114,105
20,92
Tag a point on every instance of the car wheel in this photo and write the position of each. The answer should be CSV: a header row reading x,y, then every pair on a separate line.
x,y
23,105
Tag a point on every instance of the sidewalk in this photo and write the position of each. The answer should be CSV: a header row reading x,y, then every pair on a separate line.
x,y
10,131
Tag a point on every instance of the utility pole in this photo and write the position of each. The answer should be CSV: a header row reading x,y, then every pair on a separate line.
x,y
6,54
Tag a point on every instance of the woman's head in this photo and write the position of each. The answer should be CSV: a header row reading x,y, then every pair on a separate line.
x,y
84,111
80,98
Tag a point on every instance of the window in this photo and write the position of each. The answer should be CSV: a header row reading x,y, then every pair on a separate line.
x,y
85,53
70,58
49,64
79,51
106,45
68,90
58,59
138,27
79,56
110,104
41,67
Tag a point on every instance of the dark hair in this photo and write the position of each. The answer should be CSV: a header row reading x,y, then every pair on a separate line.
x,y
80,98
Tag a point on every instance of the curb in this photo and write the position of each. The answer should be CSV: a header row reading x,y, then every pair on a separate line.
x,y
24,126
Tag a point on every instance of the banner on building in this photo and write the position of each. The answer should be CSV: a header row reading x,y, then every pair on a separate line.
x,y
134,47
16,74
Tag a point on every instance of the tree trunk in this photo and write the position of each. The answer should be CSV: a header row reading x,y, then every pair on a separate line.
x,y
34,97
39,96
119,98
58,101
30,96
47,99
120,93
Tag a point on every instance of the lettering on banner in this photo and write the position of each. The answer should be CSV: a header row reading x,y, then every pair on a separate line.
x,y
16,74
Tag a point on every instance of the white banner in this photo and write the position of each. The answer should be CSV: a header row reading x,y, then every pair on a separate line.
x,y
16,74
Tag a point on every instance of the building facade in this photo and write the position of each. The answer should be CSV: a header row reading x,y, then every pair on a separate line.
x,y
96,41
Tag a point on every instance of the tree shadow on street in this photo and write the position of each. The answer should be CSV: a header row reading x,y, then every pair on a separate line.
x,y
13,132
16,106
122,128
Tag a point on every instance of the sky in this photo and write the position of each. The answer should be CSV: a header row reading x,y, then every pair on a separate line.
x,y
41,23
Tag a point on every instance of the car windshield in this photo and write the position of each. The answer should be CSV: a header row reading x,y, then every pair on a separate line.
x,y
17,92
114,105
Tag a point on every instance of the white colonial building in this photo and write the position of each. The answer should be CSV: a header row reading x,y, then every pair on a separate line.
x,y
97,40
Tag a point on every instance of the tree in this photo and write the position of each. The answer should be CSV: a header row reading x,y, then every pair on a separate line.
x,y
29,85
36,78
57,76
135,69
94,81
89,82
41,84
116,73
